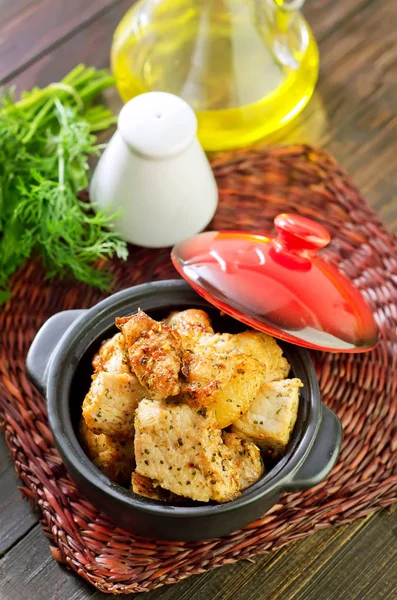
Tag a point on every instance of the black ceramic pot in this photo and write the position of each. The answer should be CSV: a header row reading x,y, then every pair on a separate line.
x,y
59,364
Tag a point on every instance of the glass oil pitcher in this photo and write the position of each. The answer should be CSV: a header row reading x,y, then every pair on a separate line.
x,y
246,67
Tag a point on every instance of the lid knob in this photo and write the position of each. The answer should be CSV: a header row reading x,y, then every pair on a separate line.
x,y
299,235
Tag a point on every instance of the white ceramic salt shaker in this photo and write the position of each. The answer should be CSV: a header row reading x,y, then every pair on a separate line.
x,y
155,174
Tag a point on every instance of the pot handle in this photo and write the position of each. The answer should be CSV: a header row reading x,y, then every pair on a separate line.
x,y
44,344
323,454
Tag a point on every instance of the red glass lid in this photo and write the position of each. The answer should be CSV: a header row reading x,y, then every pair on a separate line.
x,y
279,285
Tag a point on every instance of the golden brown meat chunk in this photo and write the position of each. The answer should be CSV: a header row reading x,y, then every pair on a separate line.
x,y
191,325
154,353
255,344
266,350
226,381
272,415
248,459
114,457
181,449
111,356
110,403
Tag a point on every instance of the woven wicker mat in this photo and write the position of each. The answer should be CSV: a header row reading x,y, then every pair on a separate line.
x,y
254,188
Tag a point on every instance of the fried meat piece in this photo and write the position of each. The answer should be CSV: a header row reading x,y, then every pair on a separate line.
x,y
181,448
191,325
266,350
272,415
154,353
112,456
110,403
248,459
228,382
255,344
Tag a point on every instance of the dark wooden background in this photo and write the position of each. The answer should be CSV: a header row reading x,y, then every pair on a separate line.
x,y
354,116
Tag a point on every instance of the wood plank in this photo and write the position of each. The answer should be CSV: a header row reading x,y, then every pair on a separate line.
x,y
332,564
327,15
346,84
16,516
9,10
310,565
38,26
367,565
90,45
28,570
360,98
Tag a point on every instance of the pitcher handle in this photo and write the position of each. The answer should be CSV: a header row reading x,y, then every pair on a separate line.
x,y
285,15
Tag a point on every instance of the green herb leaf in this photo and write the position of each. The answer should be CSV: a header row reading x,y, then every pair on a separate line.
x,y
46,139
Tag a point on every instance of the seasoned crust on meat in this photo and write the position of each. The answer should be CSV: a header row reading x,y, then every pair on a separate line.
x,y
206,371
248,459
154,353
191,324
272,415
114,457
111,356
266,350
227,381
110,403
181,448
255,344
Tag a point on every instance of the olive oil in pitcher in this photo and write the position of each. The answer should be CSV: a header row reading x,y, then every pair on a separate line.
x,y
246,68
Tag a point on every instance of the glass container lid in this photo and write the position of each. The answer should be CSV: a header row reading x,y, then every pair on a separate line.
x,y
279,285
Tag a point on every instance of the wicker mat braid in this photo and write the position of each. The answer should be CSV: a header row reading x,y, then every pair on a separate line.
x,y
254,188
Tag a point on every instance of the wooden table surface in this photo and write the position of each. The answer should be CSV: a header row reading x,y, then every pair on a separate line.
x,y
354,116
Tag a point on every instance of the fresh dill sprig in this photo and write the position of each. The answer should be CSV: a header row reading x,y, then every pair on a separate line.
x,y
46,139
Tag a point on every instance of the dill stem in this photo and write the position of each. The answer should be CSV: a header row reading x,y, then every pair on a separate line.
x,y
37,121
